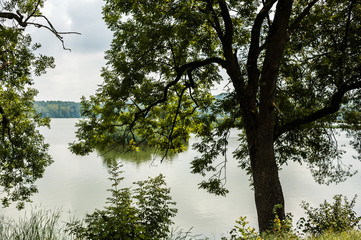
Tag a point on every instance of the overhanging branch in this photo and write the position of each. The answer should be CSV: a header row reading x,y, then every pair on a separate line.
x,y
51,28
333,107
300,17
19,18
186,68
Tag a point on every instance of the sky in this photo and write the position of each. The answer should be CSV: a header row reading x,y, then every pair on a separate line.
x,y
77,73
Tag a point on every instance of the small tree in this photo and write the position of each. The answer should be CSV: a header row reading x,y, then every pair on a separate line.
x,y
141,213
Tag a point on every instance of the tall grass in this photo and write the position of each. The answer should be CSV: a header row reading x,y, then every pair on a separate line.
x,y
346,235
40,225
180,234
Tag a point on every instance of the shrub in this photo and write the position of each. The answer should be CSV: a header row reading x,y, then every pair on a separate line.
x,y
242,231
142,213
336,217
280,229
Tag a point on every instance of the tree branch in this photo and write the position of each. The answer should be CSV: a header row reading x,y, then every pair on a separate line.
x,y
254,49
18,17
52,29
216,25
228,33
300,17
333,107
32,14
232,67
344,44
349,13
180,71
170,137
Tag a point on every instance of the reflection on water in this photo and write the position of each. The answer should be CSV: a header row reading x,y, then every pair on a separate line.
x,y
145,155
79,184
136,157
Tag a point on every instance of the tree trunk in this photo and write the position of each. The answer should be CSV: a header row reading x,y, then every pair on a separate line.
x,y
267,187
257,101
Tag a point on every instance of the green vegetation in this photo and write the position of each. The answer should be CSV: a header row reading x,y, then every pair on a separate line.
x,y
23,153
329,221
293,69
144,213
40,225
336,217
58,109
141,213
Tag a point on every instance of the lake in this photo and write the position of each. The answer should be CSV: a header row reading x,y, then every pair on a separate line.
x,y
78,184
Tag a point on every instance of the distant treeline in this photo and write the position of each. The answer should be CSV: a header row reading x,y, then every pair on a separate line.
x,y
58,109
66,109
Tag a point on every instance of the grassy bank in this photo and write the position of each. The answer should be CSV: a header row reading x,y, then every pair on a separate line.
x,y
46,225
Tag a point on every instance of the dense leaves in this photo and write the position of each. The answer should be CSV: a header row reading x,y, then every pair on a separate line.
x,y
23,153
320,79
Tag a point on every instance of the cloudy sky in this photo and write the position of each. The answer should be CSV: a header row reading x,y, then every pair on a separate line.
x,y
77,73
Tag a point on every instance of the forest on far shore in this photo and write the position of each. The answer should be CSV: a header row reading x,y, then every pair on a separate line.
x,y
58,109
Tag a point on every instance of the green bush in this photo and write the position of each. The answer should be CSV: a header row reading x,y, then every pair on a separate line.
x,y
336,217
142,213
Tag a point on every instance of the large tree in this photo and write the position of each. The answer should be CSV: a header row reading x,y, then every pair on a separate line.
x,y
293,69
23,152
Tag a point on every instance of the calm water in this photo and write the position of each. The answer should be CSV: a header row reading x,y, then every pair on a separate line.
x,y
78,184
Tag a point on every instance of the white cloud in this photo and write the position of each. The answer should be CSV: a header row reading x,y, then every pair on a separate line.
x,y
76,75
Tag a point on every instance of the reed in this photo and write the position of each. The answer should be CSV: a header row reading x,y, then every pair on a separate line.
x,y
40,225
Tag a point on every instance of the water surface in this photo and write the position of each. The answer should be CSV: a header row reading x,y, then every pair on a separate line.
x,y
78,184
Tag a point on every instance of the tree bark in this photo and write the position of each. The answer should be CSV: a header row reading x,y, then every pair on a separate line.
x,y
267,187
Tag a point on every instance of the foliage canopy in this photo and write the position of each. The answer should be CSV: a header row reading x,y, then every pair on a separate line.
x,y
23,153
293,69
